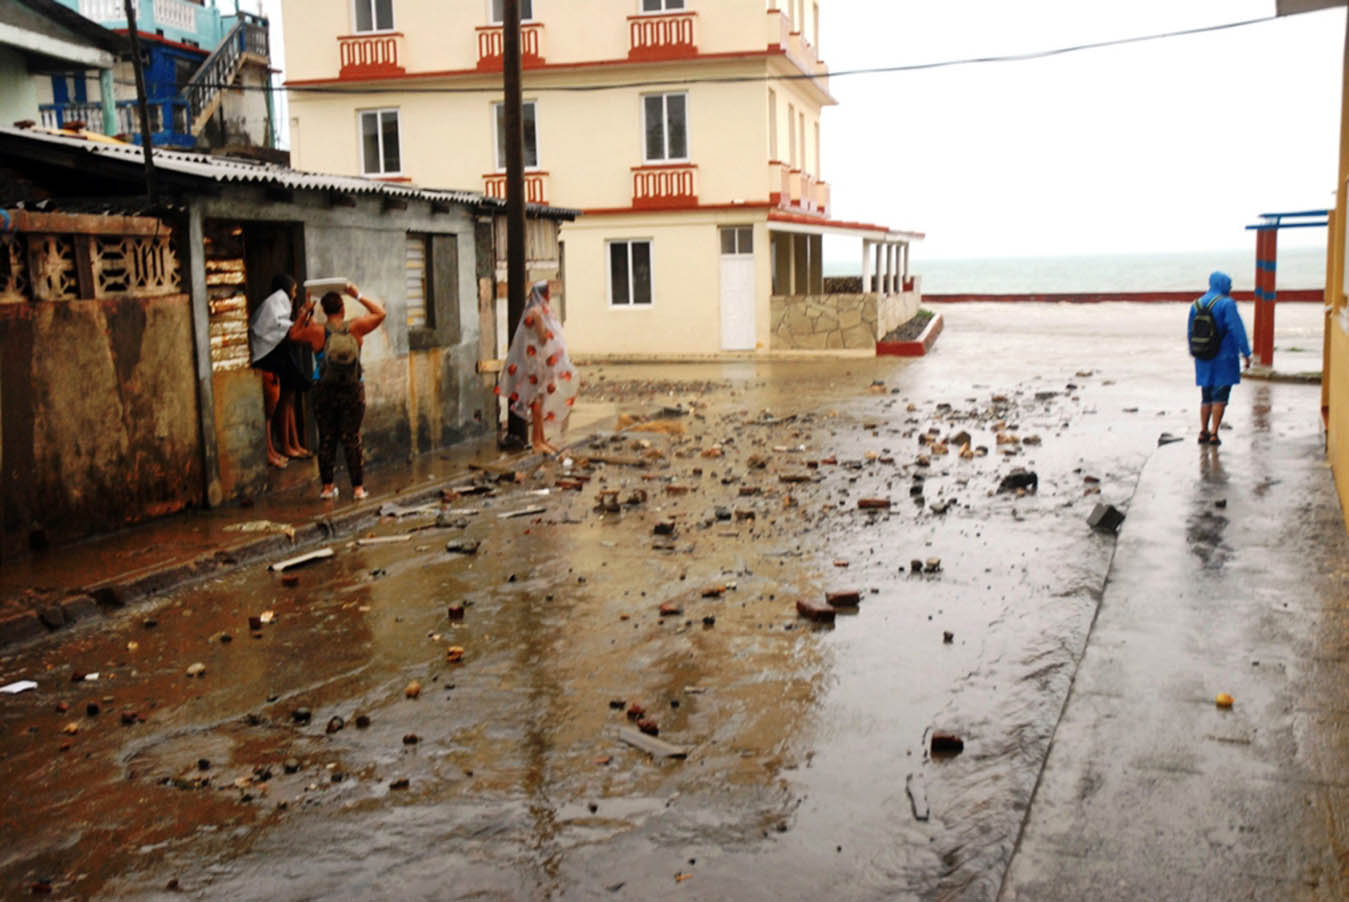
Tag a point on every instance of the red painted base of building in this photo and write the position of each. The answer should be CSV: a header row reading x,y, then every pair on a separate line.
x,y
1094,297
916,348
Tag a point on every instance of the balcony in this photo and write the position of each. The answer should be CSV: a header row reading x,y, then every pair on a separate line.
x,y
797,49
536,186
664,187
797,191
370,55
662,37
491,50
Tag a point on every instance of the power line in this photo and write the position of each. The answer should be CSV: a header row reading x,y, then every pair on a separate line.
x,y
742,79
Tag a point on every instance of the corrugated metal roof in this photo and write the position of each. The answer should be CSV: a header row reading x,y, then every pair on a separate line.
x,y
234,169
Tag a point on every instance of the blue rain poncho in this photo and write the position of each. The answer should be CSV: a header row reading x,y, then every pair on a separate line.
x,y
1225,369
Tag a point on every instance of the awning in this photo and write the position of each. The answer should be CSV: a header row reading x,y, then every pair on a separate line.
x,y
814,225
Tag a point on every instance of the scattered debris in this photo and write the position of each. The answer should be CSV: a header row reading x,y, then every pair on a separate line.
x,y
462,546
916,787
948,637
946,745
413,689
284,529
1223,700
653,746
196,669
932,565
821,613
1020,478
873,503
383,540
1105,518
312,556
335,723
522,512
1166,438
19,686
454,654
849,598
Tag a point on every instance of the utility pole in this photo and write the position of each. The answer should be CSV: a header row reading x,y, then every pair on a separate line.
x,y
515,186
147,149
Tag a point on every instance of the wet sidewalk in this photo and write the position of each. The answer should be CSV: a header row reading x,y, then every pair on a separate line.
x,y
60,586
1230,576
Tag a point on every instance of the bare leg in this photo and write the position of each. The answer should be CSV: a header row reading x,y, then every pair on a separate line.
x,y
291,432
271,391
1218,411
1205,412
536,436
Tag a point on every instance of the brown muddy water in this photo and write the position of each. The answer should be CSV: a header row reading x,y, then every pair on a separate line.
x,y
807,743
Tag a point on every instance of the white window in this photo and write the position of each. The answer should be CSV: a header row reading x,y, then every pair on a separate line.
x,y
531,135
499,10
379,143
818,171
630,273
416,280
801,133
737,240
374,15
660,6
666,127
772,124
791,135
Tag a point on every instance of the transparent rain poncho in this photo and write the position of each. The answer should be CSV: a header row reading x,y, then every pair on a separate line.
x,y
537,365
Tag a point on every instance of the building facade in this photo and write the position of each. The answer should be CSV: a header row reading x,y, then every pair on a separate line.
x,y
207,78
126,389
686,131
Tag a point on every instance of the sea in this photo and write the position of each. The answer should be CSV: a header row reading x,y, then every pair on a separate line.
x,y
1298,267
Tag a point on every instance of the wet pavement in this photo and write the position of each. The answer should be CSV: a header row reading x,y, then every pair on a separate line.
x,y
807,767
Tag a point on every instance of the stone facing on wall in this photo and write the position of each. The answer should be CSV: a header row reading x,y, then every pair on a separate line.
x,y
823,322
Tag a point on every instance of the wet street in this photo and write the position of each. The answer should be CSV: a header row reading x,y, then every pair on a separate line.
x,y
298,760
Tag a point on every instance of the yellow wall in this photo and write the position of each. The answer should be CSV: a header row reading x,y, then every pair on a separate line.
x,y
685,266
1335,365
438,40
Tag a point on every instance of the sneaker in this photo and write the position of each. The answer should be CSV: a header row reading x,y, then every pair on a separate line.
x,y
359,493
328,494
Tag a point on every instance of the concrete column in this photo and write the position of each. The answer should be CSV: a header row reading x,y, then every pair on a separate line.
x,y
880,268
866,266
193,262
791,263
107,95
801,263
816,264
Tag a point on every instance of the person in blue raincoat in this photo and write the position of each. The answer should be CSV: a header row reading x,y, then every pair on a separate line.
x,y
1216,377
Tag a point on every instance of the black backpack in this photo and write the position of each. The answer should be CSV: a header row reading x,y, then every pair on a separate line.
x,y
1205,336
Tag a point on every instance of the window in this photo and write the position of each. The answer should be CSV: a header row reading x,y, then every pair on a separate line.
x,y
432,280
530,130
819,172
379,143
772,124
660,6
801,133
416,283
499,10
629,273
374,15
791,135
667,135
737,240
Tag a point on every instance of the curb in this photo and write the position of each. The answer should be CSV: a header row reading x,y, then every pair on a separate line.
x,y
137,585
917,348
1269,375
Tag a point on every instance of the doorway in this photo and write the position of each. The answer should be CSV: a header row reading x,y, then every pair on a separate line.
x,y
737,288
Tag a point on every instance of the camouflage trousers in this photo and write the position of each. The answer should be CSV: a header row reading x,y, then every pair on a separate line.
x,y
338,412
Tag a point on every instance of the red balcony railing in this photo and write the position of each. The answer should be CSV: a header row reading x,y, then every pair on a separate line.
x,y
663,187
536,186
491,50
662,37
365,55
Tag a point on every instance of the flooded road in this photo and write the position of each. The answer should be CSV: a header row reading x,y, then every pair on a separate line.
x,y
297,764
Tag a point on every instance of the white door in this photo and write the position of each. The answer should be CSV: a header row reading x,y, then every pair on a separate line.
x,y
737,288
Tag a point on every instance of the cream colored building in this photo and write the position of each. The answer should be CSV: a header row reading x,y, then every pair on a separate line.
x,y
687,131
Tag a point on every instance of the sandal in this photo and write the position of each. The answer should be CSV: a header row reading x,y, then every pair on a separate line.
x,y
1203,438
1214,440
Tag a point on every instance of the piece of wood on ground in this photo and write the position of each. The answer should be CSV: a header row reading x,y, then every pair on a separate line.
x,y
522,512
653,746
614,459
848,598
312,556
383,540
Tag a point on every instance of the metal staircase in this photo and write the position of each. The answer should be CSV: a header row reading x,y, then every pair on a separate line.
x,y
247,42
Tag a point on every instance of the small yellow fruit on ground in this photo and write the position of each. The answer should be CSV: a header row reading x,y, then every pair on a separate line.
x,y
1223,700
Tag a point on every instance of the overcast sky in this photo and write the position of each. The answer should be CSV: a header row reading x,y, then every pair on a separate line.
x,y
1167,145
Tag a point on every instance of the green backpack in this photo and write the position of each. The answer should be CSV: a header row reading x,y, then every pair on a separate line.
x,y
341,361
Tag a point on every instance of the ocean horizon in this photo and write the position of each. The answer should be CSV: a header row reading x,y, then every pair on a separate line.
x,y
1298,267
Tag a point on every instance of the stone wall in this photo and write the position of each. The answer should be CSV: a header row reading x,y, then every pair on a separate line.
x,y
898,309
823,322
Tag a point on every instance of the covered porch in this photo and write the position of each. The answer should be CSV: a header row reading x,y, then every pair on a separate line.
x,y
811,312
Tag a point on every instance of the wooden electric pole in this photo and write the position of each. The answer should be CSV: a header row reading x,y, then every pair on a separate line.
x,y
517,427
138,65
